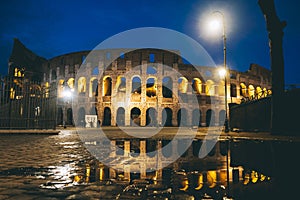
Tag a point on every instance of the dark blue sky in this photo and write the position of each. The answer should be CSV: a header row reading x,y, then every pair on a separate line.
x,y
51,28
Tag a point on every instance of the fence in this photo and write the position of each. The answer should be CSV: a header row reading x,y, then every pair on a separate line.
x,y
27,104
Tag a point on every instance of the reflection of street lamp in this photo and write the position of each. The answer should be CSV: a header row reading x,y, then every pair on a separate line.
x,y
67,95
216,24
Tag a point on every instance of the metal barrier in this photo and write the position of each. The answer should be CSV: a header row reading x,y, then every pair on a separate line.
x,y
27,104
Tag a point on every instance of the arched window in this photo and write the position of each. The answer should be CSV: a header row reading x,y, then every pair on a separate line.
x,y
210,89
243,90
107,84
47,89
136,85
197,86
71,83
167,89
265,92
60,88
182,85
251,91
151,87
81,85
233,91
259,92
151,70
121,84
93,87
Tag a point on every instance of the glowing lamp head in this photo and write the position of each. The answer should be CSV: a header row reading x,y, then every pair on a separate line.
x,y
222,72
67,94
215,25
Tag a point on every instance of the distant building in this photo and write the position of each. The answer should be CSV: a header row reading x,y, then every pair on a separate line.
x,y
119,96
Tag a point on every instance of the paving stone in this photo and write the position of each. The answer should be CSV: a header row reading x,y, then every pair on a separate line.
x,y
4,196
77,197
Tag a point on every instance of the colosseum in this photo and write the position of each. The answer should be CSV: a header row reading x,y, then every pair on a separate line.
x,y
121,87
137,89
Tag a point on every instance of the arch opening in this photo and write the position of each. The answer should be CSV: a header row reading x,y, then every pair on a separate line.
x,y
210,118
151,117
135,116
167,117
106,117
120,117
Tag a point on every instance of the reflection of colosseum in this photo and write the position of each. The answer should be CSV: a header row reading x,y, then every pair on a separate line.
x,y
136,89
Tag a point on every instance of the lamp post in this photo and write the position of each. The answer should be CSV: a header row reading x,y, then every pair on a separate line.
x,y
67,94
216,24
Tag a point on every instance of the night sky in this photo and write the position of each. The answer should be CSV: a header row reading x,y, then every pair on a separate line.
x,y
52,28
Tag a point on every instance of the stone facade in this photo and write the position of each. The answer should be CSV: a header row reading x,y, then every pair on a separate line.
x,y
147,87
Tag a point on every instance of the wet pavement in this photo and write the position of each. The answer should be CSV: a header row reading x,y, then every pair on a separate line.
x,y
42,166
45,167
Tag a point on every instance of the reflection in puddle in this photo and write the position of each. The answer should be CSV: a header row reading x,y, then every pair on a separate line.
x,y
134,169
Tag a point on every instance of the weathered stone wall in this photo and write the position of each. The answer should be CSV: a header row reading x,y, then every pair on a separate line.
x,y
134,63
251,116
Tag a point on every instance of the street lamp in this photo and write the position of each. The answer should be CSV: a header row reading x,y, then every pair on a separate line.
x,y
67,95
216,24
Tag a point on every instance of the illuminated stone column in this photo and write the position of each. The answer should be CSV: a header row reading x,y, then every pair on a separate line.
x,y
126,148
159,93
143,170
143,92
143,148
127,172
113,146
113,99
159,160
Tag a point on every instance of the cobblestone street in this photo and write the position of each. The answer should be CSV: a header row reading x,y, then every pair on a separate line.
x,y
44,167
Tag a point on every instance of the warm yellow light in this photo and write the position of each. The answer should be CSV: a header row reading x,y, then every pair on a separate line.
x,y
246,179
254,176
101,174
262,177
222,72
88,171
185,184
200,182
211,178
